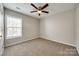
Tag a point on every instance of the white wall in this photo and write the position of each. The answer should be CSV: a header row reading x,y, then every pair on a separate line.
x,y
30,28
77,28
59,27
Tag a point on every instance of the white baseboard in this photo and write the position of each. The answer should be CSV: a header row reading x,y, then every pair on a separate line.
x,y
60,42
11,44
38,37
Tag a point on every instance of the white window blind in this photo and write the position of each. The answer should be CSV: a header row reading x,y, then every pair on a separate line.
x,y
14,27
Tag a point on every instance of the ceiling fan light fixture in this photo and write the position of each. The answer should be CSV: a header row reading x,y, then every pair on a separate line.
x,y
39,11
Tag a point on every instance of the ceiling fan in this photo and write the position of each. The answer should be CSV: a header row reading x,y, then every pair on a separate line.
x,y
40,9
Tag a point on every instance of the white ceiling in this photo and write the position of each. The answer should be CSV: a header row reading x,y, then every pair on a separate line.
x,y
53,8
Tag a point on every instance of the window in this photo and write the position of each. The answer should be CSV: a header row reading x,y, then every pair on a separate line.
x,y
14,27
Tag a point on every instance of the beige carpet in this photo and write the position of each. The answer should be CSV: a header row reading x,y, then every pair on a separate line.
x,y
40,47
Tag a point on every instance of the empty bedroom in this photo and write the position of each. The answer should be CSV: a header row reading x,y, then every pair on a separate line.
x,y
39,29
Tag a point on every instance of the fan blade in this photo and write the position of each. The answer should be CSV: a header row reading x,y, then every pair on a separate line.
x,y
33,11
45,11
44,6
34,6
